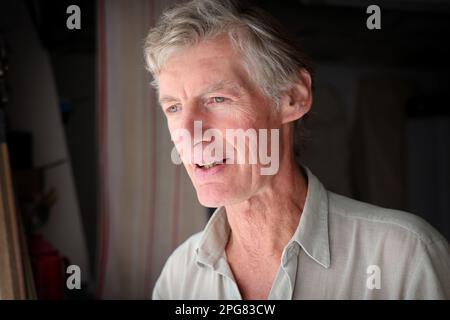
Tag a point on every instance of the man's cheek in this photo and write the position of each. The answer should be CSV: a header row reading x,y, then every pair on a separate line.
x,y
182,142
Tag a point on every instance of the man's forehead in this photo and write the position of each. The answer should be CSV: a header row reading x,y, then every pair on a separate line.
x,y
208,66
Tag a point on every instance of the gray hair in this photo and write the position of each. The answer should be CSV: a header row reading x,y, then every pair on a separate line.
x,y
273,58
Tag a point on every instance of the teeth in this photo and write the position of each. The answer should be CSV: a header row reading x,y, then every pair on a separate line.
x,y
207,166
212,164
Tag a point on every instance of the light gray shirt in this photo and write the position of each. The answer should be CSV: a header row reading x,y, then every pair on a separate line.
x,y
341,249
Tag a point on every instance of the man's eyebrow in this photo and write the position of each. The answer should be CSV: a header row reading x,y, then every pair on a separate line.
x,y
166,99
224,84
221,85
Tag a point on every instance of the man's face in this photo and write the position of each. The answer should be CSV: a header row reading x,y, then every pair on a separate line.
x,y
208,83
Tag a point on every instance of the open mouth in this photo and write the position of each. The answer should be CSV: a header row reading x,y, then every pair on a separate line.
x,y
210,165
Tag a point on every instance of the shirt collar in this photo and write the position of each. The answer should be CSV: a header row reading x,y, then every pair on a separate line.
x,y
214,238
311,233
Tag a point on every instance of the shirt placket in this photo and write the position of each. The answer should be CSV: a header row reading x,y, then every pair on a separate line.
x,y
231,288
284,284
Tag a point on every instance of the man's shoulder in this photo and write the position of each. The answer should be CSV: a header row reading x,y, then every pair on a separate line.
x,y
413,256
178,268
386,221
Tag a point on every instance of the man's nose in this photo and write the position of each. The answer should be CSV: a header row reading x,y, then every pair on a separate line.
x,y
195,121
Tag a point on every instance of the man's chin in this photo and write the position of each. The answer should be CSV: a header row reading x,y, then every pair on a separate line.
x,y
211,197
210,202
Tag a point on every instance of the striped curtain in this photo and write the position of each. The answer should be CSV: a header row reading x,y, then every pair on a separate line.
x,y
148,205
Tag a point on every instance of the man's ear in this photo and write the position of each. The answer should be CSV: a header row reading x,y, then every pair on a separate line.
x,y
297,101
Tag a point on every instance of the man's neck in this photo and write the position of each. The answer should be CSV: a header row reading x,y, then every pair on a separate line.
x,y
263,225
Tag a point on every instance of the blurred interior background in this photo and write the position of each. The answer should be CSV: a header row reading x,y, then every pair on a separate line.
x,y
90,151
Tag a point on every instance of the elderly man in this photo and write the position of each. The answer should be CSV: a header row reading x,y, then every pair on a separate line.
x,y
279,235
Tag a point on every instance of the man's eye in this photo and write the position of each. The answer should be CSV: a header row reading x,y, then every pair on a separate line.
x,y
216,100
172,109
219,99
